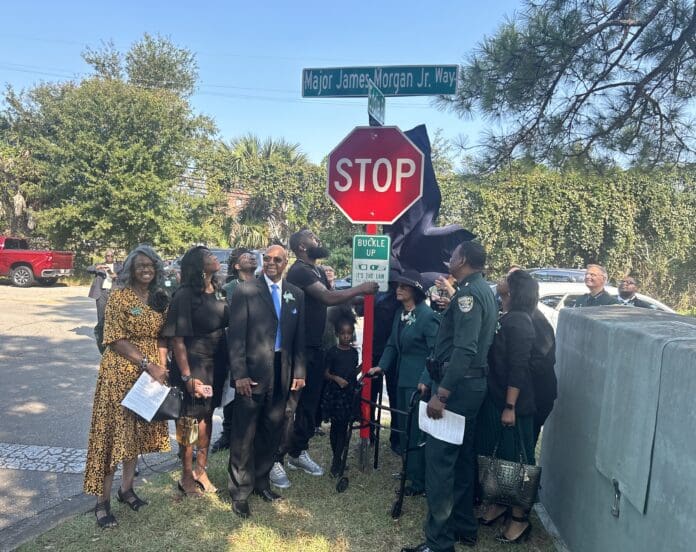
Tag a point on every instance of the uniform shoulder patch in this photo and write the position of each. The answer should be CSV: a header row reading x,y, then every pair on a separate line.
x,y
466,303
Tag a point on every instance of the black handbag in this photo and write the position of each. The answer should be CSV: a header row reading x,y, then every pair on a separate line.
x,y
506,482
170,409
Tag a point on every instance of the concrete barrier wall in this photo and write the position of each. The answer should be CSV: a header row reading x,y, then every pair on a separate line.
x,y
626,391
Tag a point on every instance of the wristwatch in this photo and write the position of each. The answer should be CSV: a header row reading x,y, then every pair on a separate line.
x,y
509,406
442,399
143,363
185,379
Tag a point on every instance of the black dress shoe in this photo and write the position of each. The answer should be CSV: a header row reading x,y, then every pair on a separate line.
x,y
467,539
241,508
268,495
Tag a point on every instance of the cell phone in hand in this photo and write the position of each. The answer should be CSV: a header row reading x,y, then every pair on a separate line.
x,y
207,391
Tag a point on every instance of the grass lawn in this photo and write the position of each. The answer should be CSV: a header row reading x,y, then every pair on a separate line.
x,y
313,518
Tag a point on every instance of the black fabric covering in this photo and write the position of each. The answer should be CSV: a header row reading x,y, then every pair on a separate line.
x,y
417,243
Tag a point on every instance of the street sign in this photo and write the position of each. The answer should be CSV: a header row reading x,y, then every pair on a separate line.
x,y
371,260
392,80
375,174
375,105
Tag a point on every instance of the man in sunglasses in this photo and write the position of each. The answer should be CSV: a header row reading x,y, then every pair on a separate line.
x,y
311,278
266,353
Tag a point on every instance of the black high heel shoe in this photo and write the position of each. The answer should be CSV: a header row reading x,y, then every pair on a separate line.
x,y
133,501
522,537
489,522
107,520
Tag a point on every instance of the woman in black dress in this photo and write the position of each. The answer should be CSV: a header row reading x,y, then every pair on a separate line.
x,y
507,414
196,324
341,364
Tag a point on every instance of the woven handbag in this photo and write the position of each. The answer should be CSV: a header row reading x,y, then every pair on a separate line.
x,y
508,483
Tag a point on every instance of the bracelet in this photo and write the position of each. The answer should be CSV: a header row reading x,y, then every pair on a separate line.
x,y
509,406
143,364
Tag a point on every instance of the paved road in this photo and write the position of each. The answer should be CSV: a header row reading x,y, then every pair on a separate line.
x,y
48,369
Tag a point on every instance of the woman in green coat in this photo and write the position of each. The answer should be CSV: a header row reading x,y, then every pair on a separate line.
x,y
411,341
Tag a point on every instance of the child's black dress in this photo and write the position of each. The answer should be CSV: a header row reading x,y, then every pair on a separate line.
x,y
337,402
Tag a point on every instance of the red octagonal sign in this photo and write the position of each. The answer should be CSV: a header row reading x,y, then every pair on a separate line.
x,y
375,175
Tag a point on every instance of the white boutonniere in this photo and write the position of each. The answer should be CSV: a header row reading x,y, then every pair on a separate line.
x,y
288,296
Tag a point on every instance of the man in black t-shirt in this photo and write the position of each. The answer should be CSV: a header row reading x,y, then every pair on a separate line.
x,y
311,278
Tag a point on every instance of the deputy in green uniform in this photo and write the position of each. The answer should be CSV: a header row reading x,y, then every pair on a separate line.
x,y
458,369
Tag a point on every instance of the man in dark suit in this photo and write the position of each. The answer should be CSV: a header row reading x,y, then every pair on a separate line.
x,y
266,351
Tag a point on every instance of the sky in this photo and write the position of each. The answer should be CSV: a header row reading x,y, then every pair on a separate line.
x,y
251,55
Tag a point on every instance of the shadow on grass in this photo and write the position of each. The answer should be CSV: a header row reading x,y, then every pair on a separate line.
x,y
312,518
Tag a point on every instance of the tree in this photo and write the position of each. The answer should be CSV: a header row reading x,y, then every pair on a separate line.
x,y
116,164
630,221
152,62
588,80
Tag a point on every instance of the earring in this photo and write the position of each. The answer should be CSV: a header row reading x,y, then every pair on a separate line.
x,y
203,274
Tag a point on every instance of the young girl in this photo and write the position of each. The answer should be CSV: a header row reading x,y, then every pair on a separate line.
x,y
341,364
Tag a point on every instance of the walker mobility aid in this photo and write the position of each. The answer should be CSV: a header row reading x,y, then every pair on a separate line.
x,y
357,424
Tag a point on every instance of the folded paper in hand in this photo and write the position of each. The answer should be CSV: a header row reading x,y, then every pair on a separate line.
x,y
145,397
449,428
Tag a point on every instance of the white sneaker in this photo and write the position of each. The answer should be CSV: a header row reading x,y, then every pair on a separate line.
x,y
278,476
306,464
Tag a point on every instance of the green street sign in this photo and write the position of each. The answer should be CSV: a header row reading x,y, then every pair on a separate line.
x,y
371,260
392,80
375,104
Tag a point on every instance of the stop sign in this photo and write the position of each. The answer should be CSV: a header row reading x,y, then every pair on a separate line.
x,y
375,174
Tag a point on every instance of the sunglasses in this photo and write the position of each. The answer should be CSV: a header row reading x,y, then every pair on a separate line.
x,y
276,260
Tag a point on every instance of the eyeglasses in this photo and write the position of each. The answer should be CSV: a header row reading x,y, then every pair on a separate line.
x,y
141,267
627,282
276,260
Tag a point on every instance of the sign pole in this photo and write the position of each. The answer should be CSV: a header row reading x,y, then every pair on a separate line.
x,y
368,331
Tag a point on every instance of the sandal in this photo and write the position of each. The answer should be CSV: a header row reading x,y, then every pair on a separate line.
x,y
131,499
107,520
211,489
191,494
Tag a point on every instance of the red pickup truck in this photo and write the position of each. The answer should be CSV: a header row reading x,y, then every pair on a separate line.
x,y
25,266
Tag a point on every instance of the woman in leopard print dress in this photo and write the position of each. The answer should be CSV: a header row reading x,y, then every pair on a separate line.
x,y
134,318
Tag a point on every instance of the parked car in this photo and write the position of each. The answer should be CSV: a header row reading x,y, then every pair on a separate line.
x,y
558,274
24,266
554,296
343,283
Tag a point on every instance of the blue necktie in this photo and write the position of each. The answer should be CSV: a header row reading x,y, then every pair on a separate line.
x,y
275,293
